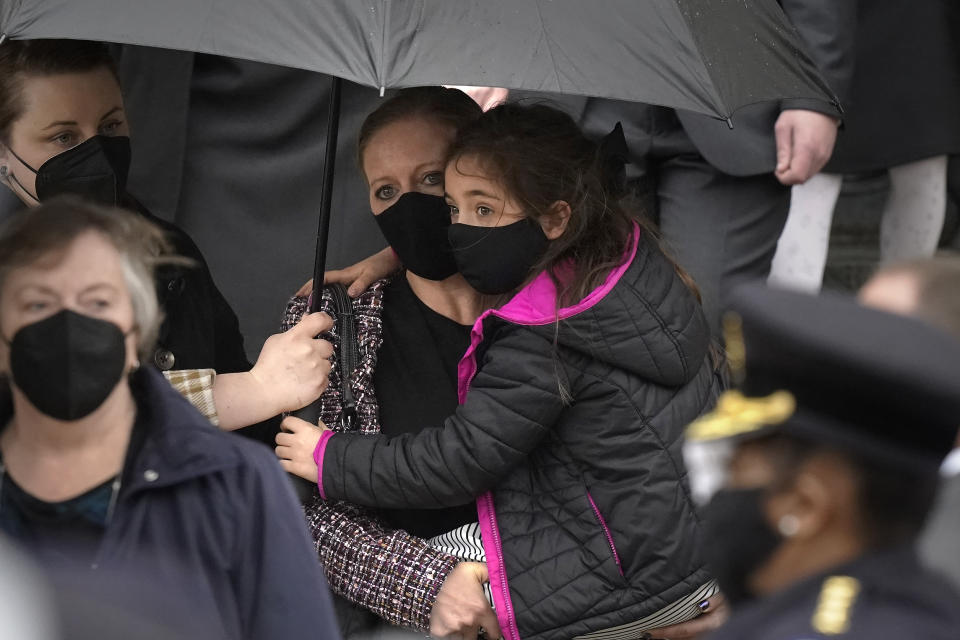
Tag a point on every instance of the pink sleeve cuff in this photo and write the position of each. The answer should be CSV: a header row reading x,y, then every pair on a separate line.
x,y
318,458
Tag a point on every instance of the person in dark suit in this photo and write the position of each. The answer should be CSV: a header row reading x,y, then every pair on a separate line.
x,y
824,468
721,194
232,152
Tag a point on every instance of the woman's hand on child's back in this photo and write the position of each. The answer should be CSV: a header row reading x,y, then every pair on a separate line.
x,y
295,445
461,608
358,277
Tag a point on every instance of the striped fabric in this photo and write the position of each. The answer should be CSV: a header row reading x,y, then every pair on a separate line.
x,y
196,385
466,543
463,542
682,610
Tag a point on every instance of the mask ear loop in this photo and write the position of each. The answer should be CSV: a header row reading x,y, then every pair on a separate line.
x,y
9,175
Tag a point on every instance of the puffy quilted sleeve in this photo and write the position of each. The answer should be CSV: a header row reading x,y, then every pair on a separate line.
x,y
513,402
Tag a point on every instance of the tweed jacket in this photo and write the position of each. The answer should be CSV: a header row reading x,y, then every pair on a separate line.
x,y
388,571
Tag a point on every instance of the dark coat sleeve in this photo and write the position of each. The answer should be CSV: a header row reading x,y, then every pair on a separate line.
x,y
229,353
513,402
828,28
279,583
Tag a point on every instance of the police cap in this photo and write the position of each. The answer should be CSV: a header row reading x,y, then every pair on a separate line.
x,y
826,368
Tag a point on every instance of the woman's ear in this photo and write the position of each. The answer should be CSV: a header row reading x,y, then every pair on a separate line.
x,y
132,341
816,500
554,221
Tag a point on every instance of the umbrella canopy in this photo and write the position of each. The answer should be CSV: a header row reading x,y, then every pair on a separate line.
x,y
707,56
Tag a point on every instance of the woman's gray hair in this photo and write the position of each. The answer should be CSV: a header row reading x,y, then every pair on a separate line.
x,y
34,234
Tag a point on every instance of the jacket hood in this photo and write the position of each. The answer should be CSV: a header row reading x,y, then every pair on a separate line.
x,y
642,319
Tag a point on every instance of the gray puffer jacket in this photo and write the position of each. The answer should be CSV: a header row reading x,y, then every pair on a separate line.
x,y
585,512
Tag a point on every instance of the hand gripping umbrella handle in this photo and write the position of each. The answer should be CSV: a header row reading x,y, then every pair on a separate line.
x,y
311,413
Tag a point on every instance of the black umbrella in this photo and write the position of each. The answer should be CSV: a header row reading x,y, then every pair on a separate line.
x,y
708,56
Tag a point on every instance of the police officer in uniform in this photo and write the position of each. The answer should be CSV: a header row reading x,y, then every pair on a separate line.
x,y
821,468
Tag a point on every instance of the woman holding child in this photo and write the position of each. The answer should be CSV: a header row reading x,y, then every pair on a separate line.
x,y
574,392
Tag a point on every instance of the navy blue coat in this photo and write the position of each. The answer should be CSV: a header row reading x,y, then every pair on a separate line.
x,y
213,516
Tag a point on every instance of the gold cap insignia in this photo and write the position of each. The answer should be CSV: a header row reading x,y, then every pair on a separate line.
x,y
736,414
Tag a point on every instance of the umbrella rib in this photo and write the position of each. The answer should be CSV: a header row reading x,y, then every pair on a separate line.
x,y
14,15
546,38
381,72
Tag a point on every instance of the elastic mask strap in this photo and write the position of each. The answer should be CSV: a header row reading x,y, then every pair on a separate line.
x,y
23,188
14,177
22,161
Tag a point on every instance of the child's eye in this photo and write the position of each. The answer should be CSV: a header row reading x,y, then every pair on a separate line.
x,y
483,211
386,192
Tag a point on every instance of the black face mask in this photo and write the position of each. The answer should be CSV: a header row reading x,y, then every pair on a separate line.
x,y
95,169
738,539
67,364
416,227
497,260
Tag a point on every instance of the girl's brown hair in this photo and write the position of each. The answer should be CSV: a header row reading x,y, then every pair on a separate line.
x,y
539,155
19,58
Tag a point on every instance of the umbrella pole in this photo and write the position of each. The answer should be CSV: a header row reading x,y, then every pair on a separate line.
x,y
311,413
326,192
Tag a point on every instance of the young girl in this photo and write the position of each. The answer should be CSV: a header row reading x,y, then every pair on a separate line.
x,y
573,396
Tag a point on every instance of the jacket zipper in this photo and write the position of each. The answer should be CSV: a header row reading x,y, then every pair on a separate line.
x,y
606,531
349,355
502,570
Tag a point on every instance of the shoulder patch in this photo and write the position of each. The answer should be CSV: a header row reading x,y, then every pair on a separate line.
x,y
837,597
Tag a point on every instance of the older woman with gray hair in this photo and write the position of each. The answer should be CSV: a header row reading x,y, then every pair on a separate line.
x,y
103,465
